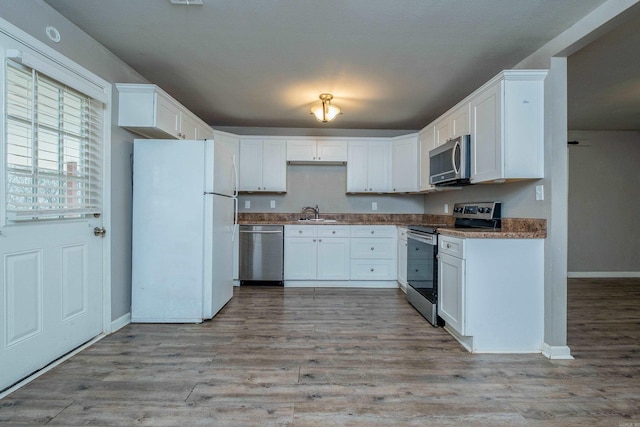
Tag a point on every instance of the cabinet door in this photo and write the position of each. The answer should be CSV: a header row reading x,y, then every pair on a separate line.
x,y
461,121
443,130
357,167
379,166
188,126
451,291
274,165
300,254
333,258
301,150
167,115
332,151
486,136
427,143
250,175
404,164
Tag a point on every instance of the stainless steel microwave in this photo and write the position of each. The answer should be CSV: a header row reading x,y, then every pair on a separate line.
x,y
450,163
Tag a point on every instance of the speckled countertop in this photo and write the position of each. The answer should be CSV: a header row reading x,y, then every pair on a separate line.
x,y
512,228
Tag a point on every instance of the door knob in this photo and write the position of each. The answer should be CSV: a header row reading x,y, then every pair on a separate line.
x,y
99,231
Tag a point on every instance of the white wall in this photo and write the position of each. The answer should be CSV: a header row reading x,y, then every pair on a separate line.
x,y
33,16
604,203
326,186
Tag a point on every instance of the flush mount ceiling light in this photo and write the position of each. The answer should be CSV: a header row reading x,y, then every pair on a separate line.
x,y
325,112
187,2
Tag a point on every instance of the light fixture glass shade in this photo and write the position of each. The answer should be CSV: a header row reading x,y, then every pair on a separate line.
x,y
325,112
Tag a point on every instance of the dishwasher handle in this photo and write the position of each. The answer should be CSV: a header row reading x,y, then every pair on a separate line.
x,y
262,231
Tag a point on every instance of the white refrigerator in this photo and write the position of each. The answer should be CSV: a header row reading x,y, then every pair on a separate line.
x,y
184,215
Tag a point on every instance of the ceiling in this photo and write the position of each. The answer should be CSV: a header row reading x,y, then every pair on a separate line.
x,y
390,64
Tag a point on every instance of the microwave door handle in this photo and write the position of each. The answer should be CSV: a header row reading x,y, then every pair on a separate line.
x,y
456,147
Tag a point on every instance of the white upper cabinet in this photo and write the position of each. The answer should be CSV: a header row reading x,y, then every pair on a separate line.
x,y
454,123
507,134
369,166
427,143
309,151
149,111
404,163
263,165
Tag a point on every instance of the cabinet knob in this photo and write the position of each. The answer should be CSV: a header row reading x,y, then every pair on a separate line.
x,y
372,248
314,158
314,240
333,232
300,231
370,189
394,189
372,231
319,158
448,246
372,269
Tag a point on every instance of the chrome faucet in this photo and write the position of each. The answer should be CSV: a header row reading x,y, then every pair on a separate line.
x,y
316,211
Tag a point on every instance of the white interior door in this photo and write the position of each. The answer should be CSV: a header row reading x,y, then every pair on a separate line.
x,y
51,294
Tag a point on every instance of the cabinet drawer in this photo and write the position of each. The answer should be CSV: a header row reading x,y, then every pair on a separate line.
x,y
373,231
373,248
300,231
375,269
333,230
451,245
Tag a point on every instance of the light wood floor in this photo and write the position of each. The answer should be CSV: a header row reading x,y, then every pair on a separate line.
x,y
325,357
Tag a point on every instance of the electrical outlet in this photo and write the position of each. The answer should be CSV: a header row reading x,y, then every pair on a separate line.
x,y
374,206
272,204
539,192
446,208
247,204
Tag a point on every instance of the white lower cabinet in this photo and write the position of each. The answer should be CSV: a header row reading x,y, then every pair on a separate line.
x,y
450,292
491,293
340,255
373,252
316,252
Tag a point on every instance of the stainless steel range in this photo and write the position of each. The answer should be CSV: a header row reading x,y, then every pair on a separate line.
x,y
422,254
422,271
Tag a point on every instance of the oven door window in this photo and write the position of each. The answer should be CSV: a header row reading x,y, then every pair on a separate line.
x,y
421,268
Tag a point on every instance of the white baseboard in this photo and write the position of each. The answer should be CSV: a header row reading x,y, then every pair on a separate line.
x,y
556,352
120,322
602,274
340,284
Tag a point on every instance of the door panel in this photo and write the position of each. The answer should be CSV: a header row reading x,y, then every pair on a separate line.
x,y
23,305
51,292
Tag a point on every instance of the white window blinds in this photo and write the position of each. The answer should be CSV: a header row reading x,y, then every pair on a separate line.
x,y
53,148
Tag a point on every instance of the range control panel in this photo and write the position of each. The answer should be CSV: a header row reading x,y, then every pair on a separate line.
x,y
479,210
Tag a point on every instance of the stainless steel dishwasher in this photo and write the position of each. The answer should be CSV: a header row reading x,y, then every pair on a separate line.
x,y
261,254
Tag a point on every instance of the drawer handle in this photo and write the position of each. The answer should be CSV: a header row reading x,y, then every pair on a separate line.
x,y
448,246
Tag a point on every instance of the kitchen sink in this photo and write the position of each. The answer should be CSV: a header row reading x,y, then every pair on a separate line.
x,y
316,220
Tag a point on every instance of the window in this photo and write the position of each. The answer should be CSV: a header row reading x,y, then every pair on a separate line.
x,y
53,148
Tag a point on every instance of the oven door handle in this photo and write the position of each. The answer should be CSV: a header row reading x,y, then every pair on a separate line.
x,y
429,240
